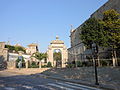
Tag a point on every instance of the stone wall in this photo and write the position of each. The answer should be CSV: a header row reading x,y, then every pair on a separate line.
x,y
3,51
76,44
111,4
3,55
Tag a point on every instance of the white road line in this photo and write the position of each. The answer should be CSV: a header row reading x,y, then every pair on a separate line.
x,y
27,87
71,86
59,86
43,86
9,88
84,86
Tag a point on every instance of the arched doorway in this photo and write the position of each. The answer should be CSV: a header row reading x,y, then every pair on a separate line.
x,y
57,51
57,56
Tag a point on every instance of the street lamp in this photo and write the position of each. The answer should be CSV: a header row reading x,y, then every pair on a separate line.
x,y
95,52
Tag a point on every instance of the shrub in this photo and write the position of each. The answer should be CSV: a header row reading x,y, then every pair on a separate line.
x,y
87,63
70,65
103,62
34,65
49,64
23,62
44,66
118,61
79,64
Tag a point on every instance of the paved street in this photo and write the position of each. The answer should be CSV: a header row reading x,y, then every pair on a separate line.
x,y
14,81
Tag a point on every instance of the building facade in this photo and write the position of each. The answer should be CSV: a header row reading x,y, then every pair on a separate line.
x,y
32,48
3,52
77,51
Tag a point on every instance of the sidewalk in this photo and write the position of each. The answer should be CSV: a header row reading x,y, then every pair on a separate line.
x,y
109,81
74,81
23,71
85,76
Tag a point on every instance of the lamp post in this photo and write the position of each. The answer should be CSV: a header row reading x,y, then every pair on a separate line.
x,y
95,52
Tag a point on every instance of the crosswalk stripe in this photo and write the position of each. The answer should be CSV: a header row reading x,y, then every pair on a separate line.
x,y
9,88
83,86
27,87
46,87
75,87
72,86
59,86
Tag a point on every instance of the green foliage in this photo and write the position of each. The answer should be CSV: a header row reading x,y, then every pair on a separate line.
x,y
87,63
49,64
23,62
57,56
79,64
33,65
104,32
103,63
10,48
19,48
111,24
118,61
39,56
44,66
93,31
70,65
15,48
110,15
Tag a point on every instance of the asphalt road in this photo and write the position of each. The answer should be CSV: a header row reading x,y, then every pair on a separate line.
x,y
34,82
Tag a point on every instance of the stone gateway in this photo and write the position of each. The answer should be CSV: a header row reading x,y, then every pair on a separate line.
x,y
56,46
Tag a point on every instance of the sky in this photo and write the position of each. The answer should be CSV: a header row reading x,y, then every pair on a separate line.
x,y
39,21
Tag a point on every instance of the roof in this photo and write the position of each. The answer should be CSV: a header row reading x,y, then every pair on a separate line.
x,y
33,44
57,41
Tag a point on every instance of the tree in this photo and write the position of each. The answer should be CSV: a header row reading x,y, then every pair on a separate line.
x,y
45,56
57,57
19,48
111,23
92,31
15,48
39,56
23,62
105,32
10,48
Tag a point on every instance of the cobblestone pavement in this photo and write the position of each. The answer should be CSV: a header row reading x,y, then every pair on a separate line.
x,y
109,77
10,80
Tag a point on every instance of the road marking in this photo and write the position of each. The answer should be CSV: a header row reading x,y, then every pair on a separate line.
x,y
59,86
84,86
9,88
28,87
47,87
71,86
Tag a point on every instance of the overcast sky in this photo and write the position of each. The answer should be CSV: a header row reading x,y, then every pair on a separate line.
x,y
39,21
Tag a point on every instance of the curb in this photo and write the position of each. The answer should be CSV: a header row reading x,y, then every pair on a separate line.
x,y
72,81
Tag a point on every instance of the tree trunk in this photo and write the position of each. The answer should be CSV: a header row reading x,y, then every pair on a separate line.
x,y
114,58
39,64
98,59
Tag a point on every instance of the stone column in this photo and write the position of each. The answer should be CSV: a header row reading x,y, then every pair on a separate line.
x,y
26,64
63,65
14,64
54,65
